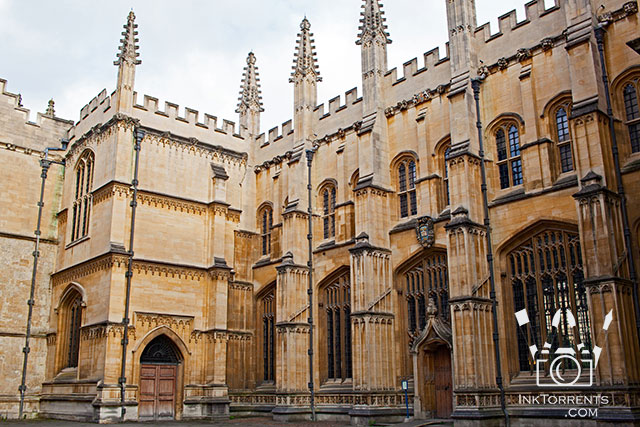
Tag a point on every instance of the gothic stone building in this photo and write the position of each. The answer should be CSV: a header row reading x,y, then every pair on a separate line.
x,y
500,178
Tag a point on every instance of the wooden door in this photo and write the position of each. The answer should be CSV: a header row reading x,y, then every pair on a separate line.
x,y
157,392
443,383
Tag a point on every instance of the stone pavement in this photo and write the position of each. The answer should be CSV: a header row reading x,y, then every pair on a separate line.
x,y
237,422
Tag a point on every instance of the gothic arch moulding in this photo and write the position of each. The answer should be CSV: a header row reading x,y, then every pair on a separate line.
x,y
622,78
502,118
415,257
525,233
442,144
71,288
163,330
333,275
556,100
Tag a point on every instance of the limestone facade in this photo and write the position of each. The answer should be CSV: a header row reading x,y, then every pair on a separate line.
x,y
402,282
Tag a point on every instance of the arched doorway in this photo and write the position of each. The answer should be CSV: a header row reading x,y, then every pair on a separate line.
x,y
433,374
158,377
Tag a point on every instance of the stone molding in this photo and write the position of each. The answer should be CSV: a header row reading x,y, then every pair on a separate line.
x,y
153,320
111,260
216,154
373,398
165,201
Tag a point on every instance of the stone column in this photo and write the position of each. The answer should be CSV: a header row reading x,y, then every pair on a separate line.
x,y
373,340
476,394
609,289
292,341
209,399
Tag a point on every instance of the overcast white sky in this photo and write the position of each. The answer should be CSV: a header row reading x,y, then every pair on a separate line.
x,y
193,51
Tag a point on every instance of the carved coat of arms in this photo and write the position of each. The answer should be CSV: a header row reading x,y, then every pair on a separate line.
x,y
425,232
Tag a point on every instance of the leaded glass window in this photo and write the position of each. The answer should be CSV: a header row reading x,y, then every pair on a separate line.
x,y
426,280
509,161
632,115
337,303
407,188
266,224
564,140
83,196
329,212
268,335
546,275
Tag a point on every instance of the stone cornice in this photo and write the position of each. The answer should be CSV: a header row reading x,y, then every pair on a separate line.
x,y
101,132
27,151
140,266
165,201
215,153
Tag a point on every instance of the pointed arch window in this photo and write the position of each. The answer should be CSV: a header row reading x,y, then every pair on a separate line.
x,y
407,188
426,280
564,139
75,320
265,221
546,275
509,161
268,335
69,324
337,303
83,196
329,212
632,114
445,174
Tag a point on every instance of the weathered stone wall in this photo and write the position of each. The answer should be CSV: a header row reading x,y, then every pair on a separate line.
x,y
22,145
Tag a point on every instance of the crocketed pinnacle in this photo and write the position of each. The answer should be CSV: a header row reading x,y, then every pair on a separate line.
x,y
128,48
305,61
372,23
51,112
250,93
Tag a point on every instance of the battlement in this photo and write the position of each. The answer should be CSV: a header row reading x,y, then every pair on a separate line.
x,y
100,101
335,104
410,70
20,134
275,134
508,22
14,100
150,113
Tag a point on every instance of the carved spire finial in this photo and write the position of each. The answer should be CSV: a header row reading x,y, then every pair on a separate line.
x,y
305,62
372,23
51,112
128,48
250,93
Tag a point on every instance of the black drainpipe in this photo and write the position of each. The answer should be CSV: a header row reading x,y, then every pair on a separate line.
x,y
475,85
599,32
310,288
129,274
45,163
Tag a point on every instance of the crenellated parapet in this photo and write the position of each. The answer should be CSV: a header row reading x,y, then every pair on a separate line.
x,y
513,34
190,116
45,122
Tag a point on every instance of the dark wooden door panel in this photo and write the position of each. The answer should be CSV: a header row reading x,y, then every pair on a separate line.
x,y
443,383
